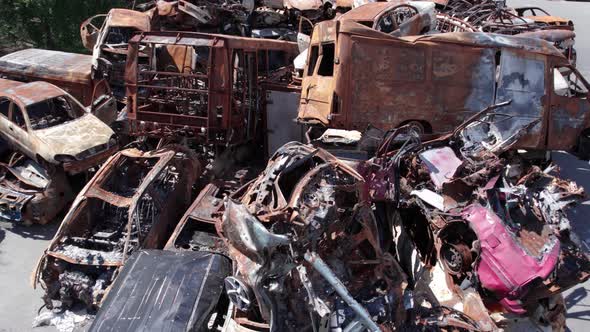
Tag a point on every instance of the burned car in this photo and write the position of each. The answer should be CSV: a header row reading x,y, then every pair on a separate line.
x,y
68,71
29,194
134,201
197,229
108,43
302,227
494,223
40,119
398,18
204,87
495,16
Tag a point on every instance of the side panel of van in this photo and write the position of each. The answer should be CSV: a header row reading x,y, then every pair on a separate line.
x,y
522,81
394,82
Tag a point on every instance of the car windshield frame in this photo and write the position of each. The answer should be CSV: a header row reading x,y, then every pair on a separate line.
x,y
37,123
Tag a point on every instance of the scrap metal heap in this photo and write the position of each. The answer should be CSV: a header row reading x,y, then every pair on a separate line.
x,y
462,232
496,17
29,193
132,202
307,248
455,233
495,224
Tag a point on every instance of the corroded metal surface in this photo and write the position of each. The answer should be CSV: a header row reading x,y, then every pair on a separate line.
x,y
132,202
438,81
205,100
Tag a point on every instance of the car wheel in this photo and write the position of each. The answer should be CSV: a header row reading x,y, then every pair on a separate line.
x,y
417,126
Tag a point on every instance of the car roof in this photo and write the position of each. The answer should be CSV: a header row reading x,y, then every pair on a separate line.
x,y
483,39
7,84
30,93
48,64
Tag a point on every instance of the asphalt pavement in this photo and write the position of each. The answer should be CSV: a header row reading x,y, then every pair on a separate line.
x,y
21,247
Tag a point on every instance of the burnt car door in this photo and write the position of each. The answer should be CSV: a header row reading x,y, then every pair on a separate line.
x,y
318,83
15,129
104,104
160,290
570,108
89,30
521,80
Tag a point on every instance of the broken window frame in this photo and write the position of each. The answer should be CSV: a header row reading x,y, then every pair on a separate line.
x,y
327,60
13,113
8,107
314,55
579,82
74,110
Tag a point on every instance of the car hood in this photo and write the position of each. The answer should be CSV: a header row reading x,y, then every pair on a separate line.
x,y
76,136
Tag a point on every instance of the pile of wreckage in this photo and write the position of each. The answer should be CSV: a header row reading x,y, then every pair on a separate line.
x,y
413,191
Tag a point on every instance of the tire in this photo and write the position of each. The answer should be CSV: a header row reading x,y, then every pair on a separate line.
x,y
417,126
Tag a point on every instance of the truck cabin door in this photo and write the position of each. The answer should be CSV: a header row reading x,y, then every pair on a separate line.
x,y
318,82
570,108
521,80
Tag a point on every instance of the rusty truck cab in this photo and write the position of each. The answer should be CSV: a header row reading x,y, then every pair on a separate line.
x,y
357,76
201,86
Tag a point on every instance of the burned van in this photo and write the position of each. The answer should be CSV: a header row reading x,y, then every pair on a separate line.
x,y
357,76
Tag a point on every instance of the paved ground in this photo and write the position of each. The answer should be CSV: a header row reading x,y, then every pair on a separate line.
x,y
20,247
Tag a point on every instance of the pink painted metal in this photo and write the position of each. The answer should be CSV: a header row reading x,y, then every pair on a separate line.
x,y
505,268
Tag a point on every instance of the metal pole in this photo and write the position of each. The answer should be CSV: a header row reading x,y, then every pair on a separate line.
x,y
320,266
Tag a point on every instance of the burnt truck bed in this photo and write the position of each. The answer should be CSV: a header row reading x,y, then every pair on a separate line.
x,y
164,291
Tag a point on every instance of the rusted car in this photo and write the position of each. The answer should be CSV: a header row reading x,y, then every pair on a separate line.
x,y
541,16
204,87
69,71
134,201
357,76
108,42
197,229
28,194
302,226
40,120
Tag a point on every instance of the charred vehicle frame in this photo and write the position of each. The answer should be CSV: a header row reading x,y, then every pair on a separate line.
x,y
133,202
